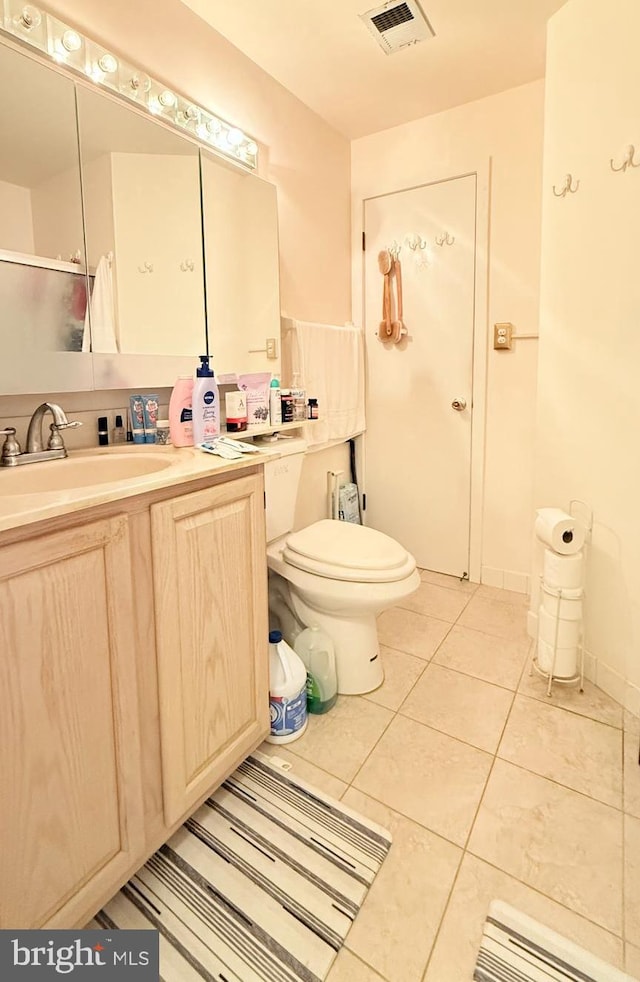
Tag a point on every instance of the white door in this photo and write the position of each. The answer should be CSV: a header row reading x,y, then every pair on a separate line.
x,y
419,411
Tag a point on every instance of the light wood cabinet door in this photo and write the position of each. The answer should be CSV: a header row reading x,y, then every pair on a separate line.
x,y
209,563
70,801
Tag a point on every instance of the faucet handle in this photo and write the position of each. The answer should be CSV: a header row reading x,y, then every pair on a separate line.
x,y
55,440
10,447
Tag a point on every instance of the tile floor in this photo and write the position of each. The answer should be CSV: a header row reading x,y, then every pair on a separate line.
x,y
491,790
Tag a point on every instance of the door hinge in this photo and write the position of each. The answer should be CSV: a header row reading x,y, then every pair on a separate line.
x,y
364,501
364,241
264,496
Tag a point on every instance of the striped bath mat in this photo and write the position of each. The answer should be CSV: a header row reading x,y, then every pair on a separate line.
x,y
261,883
516,948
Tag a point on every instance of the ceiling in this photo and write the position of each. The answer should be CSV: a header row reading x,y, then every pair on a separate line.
x,y
322,52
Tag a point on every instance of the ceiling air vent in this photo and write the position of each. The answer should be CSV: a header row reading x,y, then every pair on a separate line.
x,y
397,25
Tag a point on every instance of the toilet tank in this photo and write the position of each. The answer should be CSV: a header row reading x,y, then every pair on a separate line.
x,y
281,482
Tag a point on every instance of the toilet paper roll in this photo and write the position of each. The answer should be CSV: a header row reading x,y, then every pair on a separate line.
x,y
568,607
552,629
566,663
560,531
563,572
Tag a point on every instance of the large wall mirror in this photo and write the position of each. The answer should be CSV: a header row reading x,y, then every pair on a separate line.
x,y
141,186
181,247
43,285
242,266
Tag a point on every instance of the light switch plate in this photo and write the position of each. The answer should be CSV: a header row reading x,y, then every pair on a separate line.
x,y
502,336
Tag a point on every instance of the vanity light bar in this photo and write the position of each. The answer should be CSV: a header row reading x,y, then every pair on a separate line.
x,y
68,47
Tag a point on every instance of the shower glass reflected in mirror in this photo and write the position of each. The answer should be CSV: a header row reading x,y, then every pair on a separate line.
x,y
43,283
141,186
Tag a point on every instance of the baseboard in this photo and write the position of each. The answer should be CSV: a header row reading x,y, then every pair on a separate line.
x,y
601,674
505,579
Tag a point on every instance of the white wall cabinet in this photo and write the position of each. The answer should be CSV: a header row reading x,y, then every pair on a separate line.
x,y
133,680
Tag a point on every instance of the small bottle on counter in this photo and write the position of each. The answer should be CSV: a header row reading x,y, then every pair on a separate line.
x,y
181,412
275,403
119,435
299,401
286,402
312,409
103,431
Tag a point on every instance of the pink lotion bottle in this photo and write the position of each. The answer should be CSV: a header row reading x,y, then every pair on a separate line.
x,y
181,412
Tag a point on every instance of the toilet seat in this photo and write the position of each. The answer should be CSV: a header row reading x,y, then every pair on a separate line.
x,y
344,551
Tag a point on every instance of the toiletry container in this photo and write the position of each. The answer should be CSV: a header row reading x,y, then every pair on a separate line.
x,y
180,412
299,399
206,410
286,403
163,432
287,691
236,409
275,404
119,435
317,653
103,432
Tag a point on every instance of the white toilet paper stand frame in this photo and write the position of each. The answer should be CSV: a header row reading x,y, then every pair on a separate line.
x,y
582,512
550,676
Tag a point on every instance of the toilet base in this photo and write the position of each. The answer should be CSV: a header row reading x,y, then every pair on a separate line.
x,y
358,660
355,639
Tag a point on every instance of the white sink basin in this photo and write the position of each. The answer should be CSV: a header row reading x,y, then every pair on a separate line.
x,y
70,473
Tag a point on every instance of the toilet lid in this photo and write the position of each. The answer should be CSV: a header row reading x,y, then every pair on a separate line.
x,y
344,551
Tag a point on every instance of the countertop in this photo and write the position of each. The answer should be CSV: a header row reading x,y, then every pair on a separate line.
x,y
185,464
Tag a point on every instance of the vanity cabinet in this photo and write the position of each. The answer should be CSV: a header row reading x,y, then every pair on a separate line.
x,y
71,793
211,631
133,680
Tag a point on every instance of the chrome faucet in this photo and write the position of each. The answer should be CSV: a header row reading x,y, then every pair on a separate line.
x,y
12,455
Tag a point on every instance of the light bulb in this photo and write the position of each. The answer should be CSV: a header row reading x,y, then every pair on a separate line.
x,y
235,136
252,148
139,83
108,64
28,18
213,127
167,99
192,113
71,41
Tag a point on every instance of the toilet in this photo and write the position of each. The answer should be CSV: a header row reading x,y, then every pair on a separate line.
x,y
335,574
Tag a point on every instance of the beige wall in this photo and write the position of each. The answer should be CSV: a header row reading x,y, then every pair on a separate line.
x,y
508,129
588,421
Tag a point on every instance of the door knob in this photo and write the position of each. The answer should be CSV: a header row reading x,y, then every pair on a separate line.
x,y
459,405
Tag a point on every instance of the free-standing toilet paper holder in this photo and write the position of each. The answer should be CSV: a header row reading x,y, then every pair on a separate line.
x,y
568,596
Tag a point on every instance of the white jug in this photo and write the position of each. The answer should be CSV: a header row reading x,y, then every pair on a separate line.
x,y
287,691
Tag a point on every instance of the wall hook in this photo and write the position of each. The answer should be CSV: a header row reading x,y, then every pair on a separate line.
x,y
568,181
147,268
628,160
188,264
445,239
415,241
394,249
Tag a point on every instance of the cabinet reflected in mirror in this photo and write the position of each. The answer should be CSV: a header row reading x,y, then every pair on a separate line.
x,y
240,217
141,186
43,285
